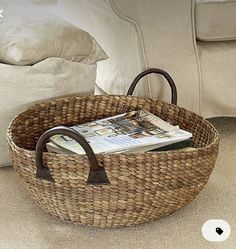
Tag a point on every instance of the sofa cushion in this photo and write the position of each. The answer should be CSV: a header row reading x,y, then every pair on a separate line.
x,y
215,20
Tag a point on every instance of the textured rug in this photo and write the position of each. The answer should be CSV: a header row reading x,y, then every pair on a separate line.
x,y
23,225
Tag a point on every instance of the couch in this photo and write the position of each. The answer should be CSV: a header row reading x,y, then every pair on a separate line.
x,y
195,41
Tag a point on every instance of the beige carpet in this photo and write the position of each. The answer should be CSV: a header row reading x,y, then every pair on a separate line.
x,y
24,226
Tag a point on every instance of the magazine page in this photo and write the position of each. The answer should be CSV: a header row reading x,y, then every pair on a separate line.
x,y
129,131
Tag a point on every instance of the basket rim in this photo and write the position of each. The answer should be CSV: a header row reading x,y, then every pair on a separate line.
x,y
11,142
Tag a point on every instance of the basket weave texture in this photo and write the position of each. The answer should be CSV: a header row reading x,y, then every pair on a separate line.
x,y
143,187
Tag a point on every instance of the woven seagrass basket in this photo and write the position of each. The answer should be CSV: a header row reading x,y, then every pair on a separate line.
x,y
109,190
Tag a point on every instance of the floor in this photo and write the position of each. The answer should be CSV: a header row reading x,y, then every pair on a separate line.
x,y
25,226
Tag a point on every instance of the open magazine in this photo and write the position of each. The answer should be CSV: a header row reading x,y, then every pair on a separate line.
x,y
136,131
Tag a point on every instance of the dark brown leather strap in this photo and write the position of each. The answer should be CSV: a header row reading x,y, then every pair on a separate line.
x,y
157,71
97,174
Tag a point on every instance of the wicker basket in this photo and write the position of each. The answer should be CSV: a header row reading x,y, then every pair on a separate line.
x,y
109,190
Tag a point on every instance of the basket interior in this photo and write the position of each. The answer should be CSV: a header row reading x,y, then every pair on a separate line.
x,y
27,127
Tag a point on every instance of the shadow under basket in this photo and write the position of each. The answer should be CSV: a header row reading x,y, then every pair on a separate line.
x,y
109,190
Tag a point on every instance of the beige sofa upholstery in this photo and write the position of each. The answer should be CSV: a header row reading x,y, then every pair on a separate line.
x,y
204,71
215,20
216,44
193,40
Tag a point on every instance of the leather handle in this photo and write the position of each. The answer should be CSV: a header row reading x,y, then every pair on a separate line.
x,y
157,71
97,174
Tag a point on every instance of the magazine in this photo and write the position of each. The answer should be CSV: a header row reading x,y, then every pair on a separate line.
x,y
135,131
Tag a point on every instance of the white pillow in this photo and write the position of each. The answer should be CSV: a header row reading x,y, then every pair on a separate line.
x,y
30,35
22,86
